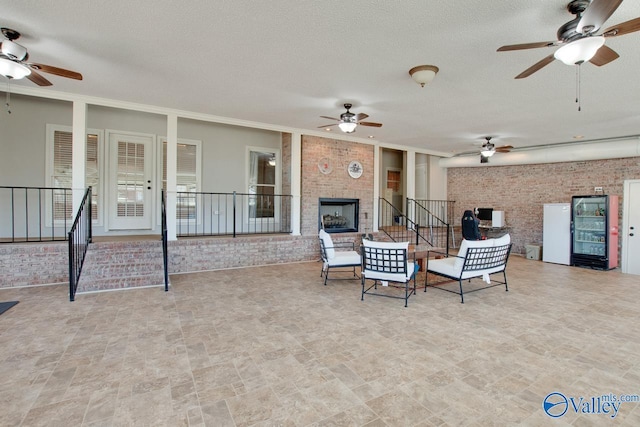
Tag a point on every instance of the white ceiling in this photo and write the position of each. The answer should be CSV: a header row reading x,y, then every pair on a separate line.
x,y
286,62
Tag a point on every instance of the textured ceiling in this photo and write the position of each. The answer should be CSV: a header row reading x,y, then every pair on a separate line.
x,y
286,62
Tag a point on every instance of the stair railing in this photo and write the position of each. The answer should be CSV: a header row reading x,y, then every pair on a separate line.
x,y
165,249
79,237
397,225
435,230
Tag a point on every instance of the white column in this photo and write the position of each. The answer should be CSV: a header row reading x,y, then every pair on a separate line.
x,y
79,153
172,172
411,174
376,187
296,181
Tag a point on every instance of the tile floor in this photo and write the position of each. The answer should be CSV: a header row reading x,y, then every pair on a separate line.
x,y
271,346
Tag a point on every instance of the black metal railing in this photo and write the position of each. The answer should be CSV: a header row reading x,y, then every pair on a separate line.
x,y
35,214
79,238
442,209
165,249
435,229
397,225
232,214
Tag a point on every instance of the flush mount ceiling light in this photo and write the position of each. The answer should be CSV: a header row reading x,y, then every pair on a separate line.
x,y
423,74
13,70
579,51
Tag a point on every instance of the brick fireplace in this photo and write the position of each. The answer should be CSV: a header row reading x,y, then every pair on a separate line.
x,y
336,183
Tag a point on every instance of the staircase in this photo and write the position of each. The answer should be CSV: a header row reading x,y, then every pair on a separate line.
x,y
122,264
421,228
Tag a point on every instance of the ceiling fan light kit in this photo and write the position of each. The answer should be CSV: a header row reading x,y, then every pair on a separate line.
x,y
13,70
423,74
579,51
348,127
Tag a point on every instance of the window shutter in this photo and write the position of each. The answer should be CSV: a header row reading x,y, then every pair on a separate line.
x,y
62,173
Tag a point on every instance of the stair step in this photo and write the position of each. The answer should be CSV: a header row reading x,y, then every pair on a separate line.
x,y
120,265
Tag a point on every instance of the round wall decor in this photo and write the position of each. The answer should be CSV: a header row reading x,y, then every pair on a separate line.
x,y
324,164
355,169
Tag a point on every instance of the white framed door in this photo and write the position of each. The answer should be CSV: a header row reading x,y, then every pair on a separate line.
x,y
631,227
130,181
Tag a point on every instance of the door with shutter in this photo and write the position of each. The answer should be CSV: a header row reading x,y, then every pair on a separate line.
x,y
130,186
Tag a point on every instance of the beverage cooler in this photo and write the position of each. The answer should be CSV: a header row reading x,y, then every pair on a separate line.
x,y
594,231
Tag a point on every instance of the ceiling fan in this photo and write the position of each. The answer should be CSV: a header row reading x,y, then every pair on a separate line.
x,y
489,149
348,121
14,65
577,38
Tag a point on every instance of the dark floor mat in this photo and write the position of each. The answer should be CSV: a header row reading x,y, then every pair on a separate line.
x,y
4,306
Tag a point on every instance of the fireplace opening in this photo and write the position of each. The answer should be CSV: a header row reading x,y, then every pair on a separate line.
x,y
338,215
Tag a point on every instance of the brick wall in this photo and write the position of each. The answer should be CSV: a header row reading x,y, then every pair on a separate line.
x,y
187,255
338,183
521,191
28,264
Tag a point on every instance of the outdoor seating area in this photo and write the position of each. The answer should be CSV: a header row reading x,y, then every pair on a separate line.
x,y
385,266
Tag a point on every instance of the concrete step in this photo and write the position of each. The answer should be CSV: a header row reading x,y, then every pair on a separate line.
x,y
119,265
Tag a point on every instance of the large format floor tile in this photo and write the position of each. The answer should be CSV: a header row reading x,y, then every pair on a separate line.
x,y
272,346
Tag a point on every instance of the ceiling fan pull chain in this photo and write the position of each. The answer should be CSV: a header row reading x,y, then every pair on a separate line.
x,y
8,102
578,87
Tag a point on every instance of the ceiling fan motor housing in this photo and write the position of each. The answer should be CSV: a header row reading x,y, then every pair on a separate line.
x,y
576,7
567,32
13,50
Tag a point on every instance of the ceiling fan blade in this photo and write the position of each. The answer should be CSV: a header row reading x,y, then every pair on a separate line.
x,y
326,126
535,67
623,28
526,46
603,56
596,15
330,118
38,79
361,116
55,70
503,149
375,125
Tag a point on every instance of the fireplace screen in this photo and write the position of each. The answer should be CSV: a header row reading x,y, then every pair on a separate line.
x,y
338,215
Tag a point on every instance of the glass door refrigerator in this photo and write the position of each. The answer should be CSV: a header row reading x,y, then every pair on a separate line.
x,y
594,231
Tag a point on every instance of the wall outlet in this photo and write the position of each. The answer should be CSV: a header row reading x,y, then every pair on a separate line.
x,y
598,189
